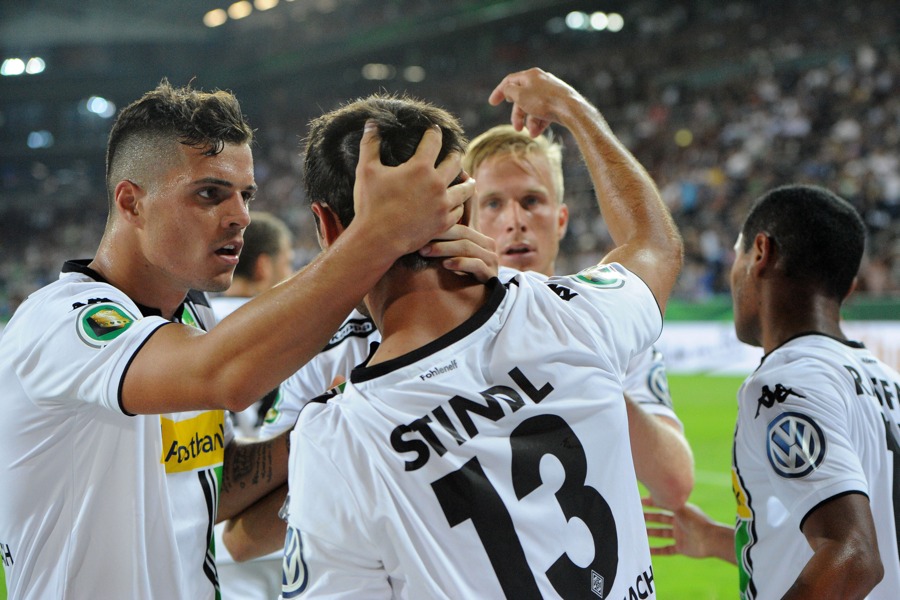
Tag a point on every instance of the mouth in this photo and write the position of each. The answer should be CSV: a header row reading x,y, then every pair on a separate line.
x,y
517,250
231,252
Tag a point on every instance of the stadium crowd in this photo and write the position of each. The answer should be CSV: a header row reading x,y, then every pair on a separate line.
x,y
719,103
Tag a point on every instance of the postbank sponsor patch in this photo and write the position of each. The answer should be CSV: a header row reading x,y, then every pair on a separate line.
x,y
602,276
194,443
99,324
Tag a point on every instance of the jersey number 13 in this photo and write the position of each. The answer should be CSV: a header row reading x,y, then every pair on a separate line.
x,y
467,494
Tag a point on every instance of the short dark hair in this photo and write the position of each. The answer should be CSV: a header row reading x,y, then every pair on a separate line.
x,y
819,236
264,235
202,120
332,148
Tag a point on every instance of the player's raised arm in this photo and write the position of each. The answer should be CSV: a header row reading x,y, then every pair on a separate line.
x,y
647,241
263,342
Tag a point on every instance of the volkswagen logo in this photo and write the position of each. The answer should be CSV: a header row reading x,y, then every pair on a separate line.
x,y
795,445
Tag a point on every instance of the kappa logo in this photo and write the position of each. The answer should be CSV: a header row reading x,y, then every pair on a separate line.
x,y
795,445
604,276
99,324
770,397
294,574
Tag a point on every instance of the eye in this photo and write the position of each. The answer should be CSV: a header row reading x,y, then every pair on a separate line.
x,y
248,196
491,204
209,193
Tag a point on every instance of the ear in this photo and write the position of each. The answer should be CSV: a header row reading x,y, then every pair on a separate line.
x,y
563,220
329,226
764,253
127,202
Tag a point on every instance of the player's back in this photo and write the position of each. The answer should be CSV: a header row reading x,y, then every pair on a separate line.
x,y
493,461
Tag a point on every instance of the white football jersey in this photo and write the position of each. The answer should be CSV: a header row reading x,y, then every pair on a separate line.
x,y
645,378
813,424
346,349
98,503
646,381
494,460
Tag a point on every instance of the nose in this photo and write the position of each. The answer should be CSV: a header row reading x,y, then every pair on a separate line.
x,y
237,212
514,215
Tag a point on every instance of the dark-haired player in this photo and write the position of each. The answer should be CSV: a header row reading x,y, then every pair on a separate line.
x,y
815,469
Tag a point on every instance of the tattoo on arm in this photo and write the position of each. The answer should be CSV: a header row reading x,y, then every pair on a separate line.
x,y
247,464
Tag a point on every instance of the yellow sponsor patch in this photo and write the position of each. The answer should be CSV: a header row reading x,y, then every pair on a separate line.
x,y
195,443
740,495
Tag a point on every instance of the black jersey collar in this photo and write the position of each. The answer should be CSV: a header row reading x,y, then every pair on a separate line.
x,y
848,343
496,293
81,266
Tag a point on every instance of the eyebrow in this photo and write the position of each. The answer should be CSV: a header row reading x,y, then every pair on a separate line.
x,y
223,182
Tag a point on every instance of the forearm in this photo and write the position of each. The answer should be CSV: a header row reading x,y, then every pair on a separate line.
x,y
837,573
258,530
663,461
259,345
251,471
637,219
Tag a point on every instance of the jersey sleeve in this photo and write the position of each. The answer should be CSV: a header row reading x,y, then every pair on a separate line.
x,y
647,384
800,426
82,347
334,554
615,303
315,378
296,391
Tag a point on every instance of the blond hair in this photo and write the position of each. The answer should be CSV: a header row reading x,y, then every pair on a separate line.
x,y
504,139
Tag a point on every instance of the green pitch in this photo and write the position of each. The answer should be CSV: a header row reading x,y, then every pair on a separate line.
x,y
708,407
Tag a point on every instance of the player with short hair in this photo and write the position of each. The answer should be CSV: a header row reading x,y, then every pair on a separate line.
x,y
465,458
816,441
519,203
110,470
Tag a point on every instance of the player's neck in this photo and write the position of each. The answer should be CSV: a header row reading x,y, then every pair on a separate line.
x,y
413,309
136,278
791,312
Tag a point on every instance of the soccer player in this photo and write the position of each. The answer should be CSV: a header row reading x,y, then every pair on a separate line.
x,y
482,449
266,260
109,470
816,442
519,203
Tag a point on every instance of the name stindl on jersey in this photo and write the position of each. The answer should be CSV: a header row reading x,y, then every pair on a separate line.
x,y
495,398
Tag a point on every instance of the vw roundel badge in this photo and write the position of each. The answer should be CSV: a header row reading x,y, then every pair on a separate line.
x,y
294,575
795,445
